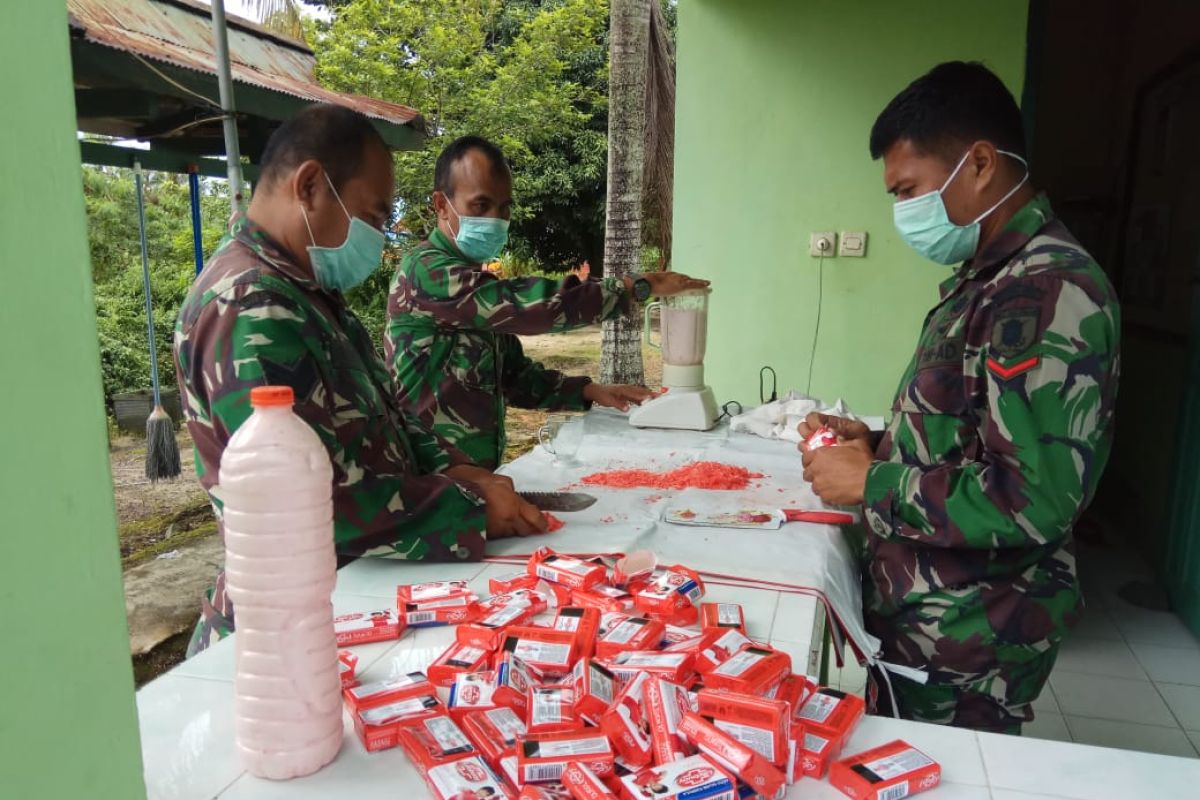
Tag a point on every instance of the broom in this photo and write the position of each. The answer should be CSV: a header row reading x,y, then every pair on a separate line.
x,y
162,451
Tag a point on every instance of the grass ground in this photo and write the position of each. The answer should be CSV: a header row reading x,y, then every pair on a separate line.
x,y
156,518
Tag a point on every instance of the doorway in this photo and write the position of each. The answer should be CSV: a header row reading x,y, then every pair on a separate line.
x,y
1112,104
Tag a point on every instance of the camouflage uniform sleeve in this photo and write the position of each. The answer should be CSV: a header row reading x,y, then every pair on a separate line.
x,y
1043,430
434,453
459,295
261,339
528,384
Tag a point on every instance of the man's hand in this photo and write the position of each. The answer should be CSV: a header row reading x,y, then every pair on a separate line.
x,y
846,429
477,475
665,284
616,396
838,474
509,515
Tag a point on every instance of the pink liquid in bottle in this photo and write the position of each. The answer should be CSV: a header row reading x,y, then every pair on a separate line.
x,y
276,489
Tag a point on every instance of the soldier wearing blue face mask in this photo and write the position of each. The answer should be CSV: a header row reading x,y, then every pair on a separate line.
x,y
268,309
1002,422
452,325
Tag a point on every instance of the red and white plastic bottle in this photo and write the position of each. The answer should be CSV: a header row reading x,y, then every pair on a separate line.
x,y
276,487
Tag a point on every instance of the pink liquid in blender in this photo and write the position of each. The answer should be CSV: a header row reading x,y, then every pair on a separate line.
x,y
684,336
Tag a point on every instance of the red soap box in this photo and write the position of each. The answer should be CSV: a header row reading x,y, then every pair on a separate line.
x,y
893,770
694,778
583,784
543,758
504,584
665,704
762,724
378,727
367,626
722,615
552,709
347,664
571,572
466,779
831,713
750,767
547,650
755,669
498,613
513,679
595,689
434,741
814,753
673,594
388,690
435,603
472,691
717,646
457,658
632,633
583,622
603,598
495,732
672,666
626,724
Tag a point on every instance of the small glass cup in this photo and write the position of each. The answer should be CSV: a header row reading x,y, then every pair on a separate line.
x,y
561,438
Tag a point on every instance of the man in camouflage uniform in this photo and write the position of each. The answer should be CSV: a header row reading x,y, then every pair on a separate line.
x,y
268,309
1002,424
451,333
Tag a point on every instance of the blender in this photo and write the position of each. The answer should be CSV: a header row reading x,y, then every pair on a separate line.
x,y
686,403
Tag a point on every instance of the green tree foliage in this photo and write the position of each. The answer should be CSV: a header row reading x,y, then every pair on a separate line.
x,y
529,74
117,266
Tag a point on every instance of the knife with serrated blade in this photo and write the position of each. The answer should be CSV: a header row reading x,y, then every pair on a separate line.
x,y
558,501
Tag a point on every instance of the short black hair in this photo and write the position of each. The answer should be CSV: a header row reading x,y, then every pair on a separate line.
x,y
336,136
952,106
456,150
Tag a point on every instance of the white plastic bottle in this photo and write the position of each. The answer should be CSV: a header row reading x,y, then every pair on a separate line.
x,y
276,487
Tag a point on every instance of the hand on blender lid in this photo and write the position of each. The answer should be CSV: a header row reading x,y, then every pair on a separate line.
x,y
666,284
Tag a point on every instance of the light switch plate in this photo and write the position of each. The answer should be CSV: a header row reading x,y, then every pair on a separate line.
x,y
822,244
852,244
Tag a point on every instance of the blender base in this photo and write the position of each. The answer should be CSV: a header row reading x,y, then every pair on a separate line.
x,y
678,409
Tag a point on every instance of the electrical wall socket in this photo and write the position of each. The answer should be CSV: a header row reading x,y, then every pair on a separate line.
x,y
822,244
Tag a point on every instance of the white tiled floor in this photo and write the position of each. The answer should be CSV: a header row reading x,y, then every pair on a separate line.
x,y
1127,677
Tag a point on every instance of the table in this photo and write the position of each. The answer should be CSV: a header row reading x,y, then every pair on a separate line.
x,y
186,716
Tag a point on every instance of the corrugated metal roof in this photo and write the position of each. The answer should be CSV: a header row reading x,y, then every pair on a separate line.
x,y
179,33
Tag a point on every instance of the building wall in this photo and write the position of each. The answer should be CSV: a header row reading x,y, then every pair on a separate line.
x,y
69,727
775,103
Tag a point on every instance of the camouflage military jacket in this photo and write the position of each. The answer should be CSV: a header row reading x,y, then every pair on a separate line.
x,y
1001,427
452,346
253,317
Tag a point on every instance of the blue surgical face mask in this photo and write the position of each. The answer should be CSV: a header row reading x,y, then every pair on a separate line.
x,y
343,267
925,225
480,239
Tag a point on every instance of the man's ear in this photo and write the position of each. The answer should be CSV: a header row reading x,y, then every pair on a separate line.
x,y
983,162
308,182
440,201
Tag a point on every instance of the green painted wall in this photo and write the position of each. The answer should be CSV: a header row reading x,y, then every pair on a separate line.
x,y
68,727
775,103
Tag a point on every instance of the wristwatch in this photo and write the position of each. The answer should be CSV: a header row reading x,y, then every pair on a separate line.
x,y
641,287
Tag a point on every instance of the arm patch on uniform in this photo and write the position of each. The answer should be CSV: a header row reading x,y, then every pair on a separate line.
x,y
1014,331
1010,372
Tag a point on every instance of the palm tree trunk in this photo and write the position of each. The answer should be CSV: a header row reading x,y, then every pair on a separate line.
x,y
629,34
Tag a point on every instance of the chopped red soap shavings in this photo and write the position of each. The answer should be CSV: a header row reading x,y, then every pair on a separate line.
x,y
700,475
553,523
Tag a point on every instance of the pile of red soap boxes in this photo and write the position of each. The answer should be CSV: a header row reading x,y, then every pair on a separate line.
x,y
564,685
